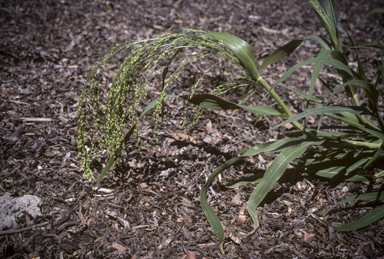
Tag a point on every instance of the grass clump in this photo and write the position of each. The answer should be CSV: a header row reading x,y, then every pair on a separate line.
x,y
348,150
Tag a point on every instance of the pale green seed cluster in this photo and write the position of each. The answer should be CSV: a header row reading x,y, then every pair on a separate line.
x,y
104,114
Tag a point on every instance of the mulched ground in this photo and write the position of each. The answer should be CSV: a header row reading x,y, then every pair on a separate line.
x,y
149,208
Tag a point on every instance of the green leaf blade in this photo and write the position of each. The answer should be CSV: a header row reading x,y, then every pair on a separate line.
x,y
241,48
210,214
281,52
273,173
369,218
210,101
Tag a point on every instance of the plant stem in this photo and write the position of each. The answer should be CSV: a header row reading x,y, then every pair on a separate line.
x,y
361,144
285,108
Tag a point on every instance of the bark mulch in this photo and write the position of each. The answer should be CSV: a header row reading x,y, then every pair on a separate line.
x,y
148,207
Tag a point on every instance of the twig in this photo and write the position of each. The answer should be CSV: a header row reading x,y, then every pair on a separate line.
x,y
35,119
147,190
29,240
114,205
170,194
13,231
13,171
54,236
66,225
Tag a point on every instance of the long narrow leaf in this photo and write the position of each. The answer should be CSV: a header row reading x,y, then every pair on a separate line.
x,y
359,63
306,96
335,63
271,146
214,102
242,50
368,46
359,126
316,70
335,172
281,53
376,10
325,20
332,14
323,42
339,56
369,218
273,173
372,196
212,218
372,216
374,157
356,110
370,91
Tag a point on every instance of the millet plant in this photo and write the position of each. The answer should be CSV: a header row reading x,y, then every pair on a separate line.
x,y
351,149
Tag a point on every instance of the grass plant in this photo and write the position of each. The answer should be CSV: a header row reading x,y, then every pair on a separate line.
x,y
351,149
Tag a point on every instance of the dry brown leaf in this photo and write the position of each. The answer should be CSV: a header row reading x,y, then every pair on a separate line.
x,y
119,247
158,27
288,126
234,238
183,136
236,199
81,217
190,255
209,127
242,218
28,220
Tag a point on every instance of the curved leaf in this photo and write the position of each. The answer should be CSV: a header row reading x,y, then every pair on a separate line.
x,y
241,48
323,42
281,53
368,46
306,96
326,21
271,146
273,173
212,218
372,216
358,125
332,14
374,157
210,101
356,110
368,89
244,182
376,10
316,70
335,63
372,196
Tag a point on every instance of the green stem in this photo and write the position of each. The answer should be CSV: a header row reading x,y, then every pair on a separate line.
x,y
380,120
356,101
285,108
361,144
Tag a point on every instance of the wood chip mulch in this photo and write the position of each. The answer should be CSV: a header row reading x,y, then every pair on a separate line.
x,y
149,207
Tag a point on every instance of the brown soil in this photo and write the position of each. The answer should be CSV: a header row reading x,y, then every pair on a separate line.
x,y
149,207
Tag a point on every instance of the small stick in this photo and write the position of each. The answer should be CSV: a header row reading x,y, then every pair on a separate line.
x,y
35,119
13,231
